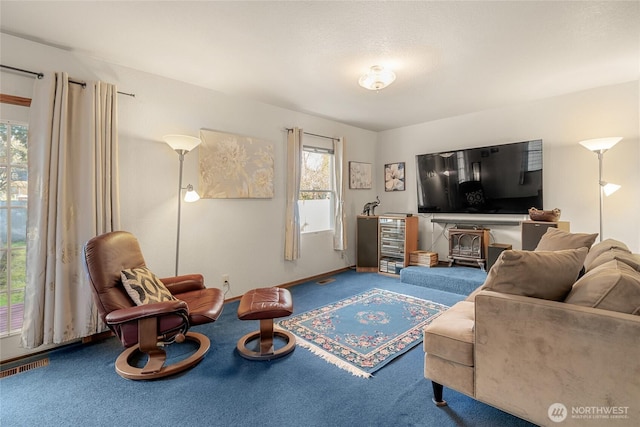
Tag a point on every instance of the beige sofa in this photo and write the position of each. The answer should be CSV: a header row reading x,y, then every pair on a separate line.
x,y
534,342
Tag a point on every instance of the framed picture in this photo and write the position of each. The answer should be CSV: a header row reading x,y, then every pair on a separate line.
x,y
394,177
235,166
359,175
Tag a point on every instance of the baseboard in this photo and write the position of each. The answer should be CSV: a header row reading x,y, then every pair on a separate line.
x,y
300,281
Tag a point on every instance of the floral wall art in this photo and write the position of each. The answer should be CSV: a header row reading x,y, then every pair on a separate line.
x,y
394,177
360,175
235,167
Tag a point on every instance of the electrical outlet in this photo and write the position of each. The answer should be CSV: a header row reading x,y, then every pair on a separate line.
x,y
226,285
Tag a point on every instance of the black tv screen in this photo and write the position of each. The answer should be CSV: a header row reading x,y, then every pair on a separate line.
x,y
499,179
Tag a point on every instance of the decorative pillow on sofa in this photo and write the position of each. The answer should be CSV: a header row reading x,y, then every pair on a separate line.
x,y
603,247
539,274
144,287
557,240
612,286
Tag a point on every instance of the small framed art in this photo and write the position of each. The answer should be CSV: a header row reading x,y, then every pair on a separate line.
x,y
394,176
359,175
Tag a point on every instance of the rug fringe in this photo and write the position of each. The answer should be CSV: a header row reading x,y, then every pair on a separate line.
x,y
328,357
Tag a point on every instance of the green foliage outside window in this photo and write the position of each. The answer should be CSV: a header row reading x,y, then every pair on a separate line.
x,y
315,176
13,213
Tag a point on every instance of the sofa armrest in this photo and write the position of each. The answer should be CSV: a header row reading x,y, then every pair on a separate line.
x,y
531,353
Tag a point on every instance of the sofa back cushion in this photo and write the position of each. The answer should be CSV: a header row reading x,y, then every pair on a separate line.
x,y
601,248
556,240
613,286
539,274
632,260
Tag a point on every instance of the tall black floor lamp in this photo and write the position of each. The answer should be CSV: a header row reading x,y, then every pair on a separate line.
x,y
182,144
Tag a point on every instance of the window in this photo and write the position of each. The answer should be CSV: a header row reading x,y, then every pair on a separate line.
x,y
13,225
316,189
534,156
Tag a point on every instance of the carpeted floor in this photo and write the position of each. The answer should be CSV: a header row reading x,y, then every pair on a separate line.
x,y
456,279
80,386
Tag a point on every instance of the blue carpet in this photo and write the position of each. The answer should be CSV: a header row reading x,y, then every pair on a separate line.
x,y
80,386
459,280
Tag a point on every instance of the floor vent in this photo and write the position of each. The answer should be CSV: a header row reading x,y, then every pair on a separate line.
x,y
24,368
325,281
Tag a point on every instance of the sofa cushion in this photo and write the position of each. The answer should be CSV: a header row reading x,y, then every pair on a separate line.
x,y
602,247
539,274
451,335
617,254
557,240
144,287
612,286
472,296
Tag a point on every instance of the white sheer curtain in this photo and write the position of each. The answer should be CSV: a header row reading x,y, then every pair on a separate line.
x,y
340,232
73,196
292,217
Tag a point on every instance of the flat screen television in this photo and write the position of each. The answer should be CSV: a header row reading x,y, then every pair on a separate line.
x,y
498,179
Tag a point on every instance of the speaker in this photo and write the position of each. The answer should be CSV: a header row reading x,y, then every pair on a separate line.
x,y
532,232
367,244
495,249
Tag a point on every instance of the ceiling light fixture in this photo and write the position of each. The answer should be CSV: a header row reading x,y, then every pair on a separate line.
x,y
377,78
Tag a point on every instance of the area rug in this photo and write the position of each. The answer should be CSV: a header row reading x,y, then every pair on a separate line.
x,y
363,333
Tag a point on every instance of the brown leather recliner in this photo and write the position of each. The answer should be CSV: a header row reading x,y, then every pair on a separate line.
x,y
147,328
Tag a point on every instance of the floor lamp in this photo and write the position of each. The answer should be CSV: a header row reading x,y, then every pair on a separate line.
x,y
182,144
600,146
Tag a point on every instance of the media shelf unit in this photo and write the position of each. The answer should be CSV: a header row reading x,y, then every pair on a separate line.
x,y
398,237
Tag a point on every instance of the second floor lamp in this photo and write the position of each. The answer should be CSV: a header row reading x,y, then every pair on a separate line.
x,y
600,146
182,144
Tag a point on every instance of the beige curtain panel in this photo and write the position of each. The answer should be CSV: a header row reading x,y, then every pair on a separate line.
x,y
340,231
292,217
73,196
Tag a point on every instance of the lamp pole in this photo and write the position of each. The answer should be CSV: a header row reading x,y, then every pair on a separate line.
x,y
181,154
600,154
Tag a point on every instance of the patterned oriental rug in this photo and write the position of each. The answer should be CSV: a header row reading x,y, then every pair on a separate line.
x,y
363,333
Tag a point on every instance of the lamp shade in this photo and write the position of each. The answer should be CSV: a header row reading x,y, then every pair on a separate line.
x,y
601,143
609,188
182,142
377,78
191,195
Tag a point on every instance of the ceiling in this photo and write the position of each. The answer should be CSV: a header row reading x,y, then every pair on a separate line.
x,y
450,57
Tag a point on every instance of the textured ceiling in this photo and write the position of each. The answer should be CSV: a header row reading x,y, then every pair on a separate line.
x,y
450,57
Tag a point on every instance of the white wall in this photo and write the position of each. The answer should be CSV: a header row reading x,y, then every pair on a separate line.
x,y
570,170
241,237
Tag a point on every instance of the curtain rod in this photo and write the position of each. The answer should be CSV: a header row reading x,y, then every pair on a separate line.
x,y
41,75
315,134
